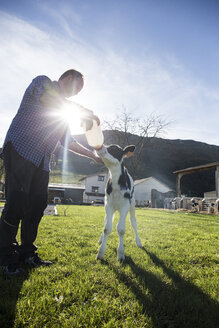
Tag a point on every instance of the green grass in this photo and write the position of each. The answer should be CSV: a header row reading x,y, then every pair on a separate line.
x,y
171,282
57,176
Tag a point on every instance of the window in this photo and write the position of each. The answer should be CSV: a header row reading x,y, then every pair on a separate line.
x,y
100,177
94,189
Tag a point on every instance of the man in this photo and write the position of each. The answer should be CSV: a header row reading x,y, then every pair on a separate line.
x,y
32,137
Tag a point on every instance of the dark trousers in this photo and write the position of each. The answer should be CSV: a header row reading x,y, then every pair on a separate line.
x,y
26,189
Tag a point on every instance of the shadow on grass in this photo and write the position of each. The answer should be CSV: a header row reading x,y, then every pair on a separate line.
x,y
179,304
9,294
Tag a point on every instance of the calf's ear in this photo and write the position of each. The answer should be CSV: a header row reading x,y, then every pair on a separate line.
x,y
129,151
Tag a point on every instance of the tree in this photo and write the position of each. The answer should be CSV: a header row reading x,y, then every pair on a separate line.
x,y
126,124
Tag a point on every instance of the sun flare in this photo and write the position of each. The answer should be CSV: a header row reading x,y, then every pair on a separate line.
x,y
73,117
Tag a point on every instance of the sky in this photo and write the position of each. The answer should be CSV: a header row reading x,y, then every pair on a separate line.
x,y
148,56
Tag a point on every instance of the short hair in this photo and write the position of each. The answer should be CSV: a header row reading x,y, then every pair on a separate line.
x,y
75,74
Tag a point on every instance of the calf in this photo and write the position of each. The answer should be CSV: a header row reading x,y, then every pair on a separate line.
x,y
119,196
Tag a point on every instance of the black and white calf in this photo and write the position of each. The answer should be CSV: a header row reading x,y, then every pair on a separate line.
x,y
119,196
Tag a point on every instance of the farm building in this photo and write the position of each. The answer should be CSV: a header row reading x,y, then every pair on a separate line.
x,y
190,170
94,187
65,193
210,202
143,188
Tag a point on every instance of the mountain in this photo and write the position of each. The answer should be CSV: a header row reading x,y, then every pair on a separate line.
x,y
160,158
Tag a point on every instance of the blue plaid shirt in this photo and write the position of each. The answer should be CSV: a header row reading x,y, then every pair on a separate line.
x,y
36,130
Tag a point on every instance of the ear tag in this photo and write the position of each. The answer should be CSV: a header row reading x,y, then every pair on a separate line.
x,y
129,154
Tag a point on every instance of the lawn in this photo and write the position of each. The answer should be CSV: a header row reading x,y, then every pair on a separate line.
x,y
171,282
57,176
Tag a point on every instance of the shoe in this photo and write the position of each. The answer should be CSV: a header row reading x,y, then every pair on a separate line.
x,y
34,261
12,270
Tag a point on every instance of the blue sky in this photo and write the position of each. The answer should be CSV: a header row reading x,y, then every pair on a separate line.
x,y
150,56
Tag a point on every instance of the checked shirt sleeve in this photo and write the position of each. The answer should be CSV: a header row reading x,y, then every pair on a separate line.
x,y
35,131
38,86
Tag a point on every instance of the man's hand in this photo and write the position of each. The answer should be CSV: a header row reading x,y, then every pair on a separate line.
x,y
83,151
87,113
95,118
91,117
98,159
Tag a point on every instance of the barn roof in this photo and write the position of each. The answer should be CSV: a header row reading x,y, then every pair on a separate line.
x,y
198,168
141,180
93,175
137,182
62,186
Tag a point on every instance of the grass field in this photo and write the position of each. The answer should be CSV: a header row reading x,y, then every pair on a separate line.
x,y
171,282
57,176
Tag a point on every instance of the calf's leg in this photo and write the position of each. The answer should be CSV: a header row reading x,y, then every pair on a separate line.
x,y
121,231
107,230
134,223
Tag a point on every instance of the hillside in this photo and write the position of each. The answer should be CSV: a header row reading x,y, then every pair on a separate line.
x,y
159,159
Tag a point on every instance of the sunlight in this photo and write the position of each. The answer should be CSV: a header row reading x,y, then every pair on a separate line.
x,y
73,117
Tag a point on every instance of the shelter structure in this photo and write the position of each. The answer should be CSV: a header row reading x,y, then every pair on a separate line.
x,y
209,166
66,193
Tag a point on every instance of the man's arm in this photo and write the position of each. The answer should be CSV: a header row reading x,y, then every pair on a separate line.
x,y
85,113
51,98
83,151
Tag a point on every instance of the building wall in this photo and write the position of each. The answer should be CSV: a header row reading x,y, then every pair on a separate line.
x,y
143,189
210,194
92,181
67,195
89,198
74,196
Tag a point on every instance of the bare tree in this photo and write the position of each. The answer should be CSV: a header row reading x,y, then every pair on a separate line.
x,y
126,124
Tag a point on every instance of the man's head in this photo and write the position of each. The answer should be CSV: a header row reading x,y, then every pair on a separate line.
x,y
71,82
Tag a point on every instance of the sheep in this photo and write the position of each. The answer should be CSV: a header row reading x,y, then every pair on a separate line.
x,y
119,196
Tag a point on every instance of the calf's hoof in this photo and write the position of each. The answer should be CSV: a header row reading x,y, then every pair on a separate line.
x,y
121,257
138,243
100,256
101,239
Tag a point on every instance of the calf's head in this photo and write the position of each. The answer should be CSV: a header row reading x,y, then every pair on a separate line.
x,y
115,154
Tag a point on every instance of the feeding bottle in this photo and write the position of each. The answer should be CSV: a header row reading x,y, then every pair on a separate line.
x,y
93,133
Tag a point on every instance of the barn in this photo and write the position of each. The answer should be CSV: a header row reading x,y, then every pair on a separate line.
x,y
65,193
94,187
143,189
